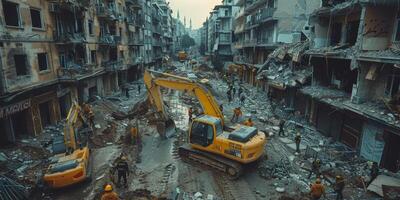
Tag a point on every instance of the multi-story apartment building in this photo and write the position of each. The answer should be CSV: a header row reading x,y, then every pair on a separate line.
x,y
56,52
261,25
355,95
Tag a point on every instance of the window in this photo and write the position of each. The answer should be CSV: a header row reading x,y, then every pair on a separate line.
x,y
93,56
393,83
36,18
42,61
121,53
90,27
397,33
63,63
11,13
21,65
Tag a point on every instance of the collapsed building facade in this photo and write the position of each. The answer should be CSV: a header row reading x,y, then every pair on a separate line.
x,y
57,52
342,74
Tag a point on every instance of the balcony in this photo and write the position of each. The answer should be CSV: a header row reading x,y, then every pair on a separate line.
x,y
134,20
135,3
265,14
56,6
113,65
106,12
157,30
69,38
135,41
111,40
75,70
157,43
156,17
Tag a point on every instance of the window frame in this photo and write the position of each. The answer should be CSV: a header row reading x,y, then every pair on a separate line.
x,y
91,27
26,65
18,14
47,62
41,18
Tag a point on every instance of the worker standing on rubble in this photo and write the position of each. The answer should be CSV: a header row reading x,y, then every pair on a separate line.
x,y
242,99
317,190
229,95
281,124
109,194
190,113
234,92
297,140
240,91
221,107
248,122
374,171
134,135
138,88
122,170
315,166
339,187
237,112
88,112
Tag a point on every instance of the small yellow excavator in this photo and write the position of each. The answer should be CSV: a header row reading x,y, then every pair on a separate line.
x,y
210,141
71,166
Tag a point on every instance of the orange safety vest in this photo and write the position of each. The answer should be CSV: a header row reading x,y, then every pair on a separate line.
x,y
317,190
109,196
248,123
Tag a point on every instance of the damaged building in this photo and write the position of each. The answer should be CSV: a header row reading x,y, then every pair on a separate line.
x,y
57,52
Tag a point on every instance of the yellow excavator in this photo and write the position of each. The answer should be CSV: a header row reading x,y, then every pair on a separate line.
x,y
71,166
211,142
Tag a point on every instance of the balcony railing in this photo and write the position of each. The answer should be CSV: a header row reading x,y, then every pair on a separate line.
x,y
135,3
134,20
113,65
110,39
157,29
135,41
72,70
106,12
69,37
157,43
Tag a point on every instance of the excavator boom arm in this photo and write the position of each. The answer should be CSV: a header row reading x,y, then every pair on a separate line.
x,y
155,80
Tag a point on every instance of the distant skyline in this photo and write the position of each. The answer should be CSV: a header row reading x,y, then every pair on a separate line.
x,y
197,10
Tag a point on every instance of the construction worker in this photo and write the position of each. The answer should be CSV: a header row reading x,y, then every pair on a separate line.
x,y
281,124
234,92
229,95
317,190
240,91
237,112
138,88
315,166
190,113
249,122
88,112
242,99
221,107
374,171
339,187
109,194
297,140
134,135
122,170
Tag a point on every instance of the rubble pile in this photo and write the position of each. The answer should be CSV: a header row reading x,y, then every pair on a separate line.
x,y
11,190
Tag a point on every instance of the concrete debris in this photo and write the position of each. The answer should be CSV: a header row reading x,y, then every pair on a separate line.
x,y
280,189
11,190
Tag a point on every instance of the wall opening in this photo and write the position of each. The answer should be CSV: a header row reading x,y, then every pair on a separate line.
x,y
42,61
21,65
352,32
36,18
336,33
45,117
20,124
11,13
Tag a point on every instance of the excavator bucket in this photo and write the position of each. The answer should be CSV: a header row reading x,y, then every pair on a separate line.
x,y
166,128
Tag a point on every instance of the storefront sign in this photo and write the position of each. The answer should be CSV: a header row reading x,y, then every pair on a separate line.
x,y
14,108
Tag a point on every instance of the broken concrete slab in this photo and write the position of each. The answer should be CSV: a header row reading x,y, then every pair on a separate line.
x,y
376,185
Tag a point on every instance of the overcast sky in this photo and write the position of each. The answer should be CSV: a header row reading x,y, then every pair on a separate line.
x,y
198,10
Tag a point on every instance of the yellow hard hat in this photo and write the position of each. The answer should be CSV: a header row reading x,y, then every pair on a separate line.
x,y
123,158
339,177
108,188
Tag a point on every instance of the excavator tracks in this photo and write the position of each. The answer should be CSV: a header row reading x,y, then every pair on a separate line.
x,y
190,155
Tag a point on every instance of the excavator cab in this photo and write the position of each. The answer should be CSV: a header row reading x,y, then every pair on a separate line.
x,y
204,130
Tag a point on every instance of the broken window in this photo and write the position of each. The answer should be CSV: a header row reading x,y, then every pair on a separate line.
x,y
393,83
21,65
36,18
93,56
90,27
11,13
42,61
352,32
336,32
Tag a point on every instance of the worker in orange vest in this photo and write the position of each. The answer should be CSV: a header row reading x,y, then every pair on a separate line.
x,y
134,135
317,190
249,122
109,194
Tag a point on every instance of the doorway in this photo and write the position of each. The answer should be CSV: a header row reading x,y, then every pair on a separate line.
x,y
45,117
65,104
20,125
391,151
